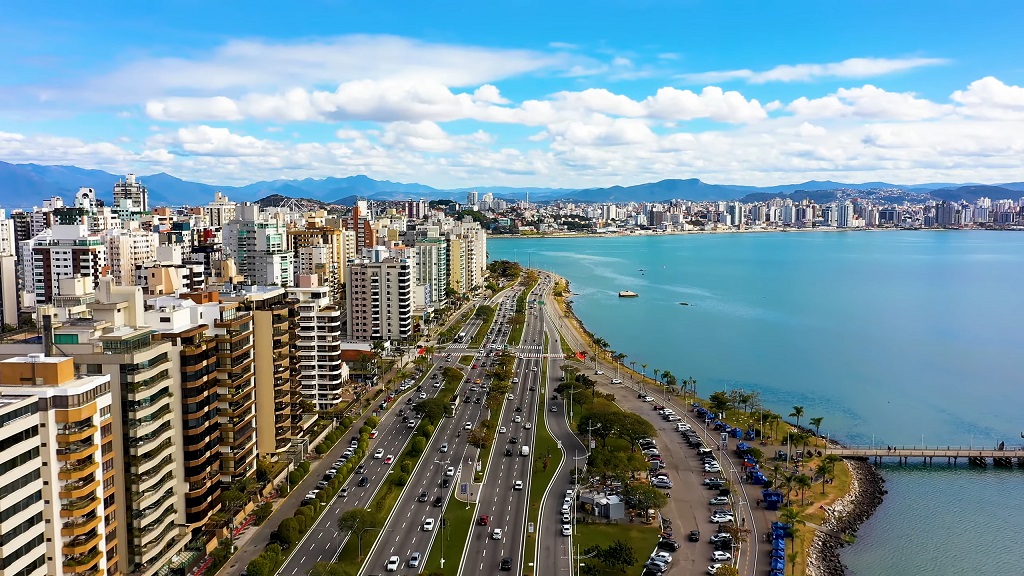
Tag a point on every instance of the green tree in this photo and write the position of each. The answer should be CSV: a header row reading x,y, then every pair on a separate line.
x,y
816,422
288,532
618,555
798,412
727,570
643,497
822,470
600,423
260,566
431,409
356,521
803,482
720,402
633,427
791,516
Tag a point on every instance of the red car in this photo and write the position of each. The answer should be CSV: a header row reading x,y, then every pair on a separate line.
x,y
474,366
483,520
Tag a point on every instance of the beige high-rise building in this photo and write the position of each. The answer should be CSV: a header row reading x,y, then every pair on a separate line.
x,y
320,250
59,513
379,299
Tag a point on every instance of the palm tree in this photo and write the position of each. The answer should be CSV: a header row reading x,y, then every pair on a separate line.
x,y
632,366
816,422
791,516
798,412
822,470
643,371
803,482
656,372
792,556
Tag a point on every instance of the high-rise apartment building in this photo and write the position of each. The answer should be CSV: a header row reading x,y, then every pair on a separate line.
x,y
127,249
130,196
259,245
59,514
323,378
65,252
379,296
218,213
361,222
320,250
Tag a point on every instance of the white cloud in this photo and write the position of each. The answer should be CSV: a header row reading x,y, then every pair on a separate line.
x,y
241,66
868,102
712,102
210,141
992,99
850,68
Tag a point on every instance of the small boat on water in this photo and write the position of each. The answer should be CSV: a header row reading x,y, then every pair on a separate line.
x,y
628,294
684,303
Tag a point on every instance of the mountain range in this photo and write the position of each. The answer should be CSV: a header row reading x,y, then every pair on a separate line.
x,y
27,185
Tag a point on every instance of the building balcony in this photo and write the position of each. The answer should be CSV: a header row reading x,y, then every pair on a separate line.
x,y
81,564
76,451
77,470
154,510
81,544
79,506
78,525
146,471
143,422
79,488
68,433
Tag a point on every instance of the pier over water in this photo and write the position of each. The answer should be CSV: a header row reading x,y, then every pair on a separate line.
x,y
1003,458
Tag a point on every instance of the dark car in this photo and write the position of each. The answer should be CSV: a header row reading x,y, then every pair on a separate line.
x,y
478,400
506,564
508,451
694,536
423,496
519,408
533,386
438,502
467,400
364,481
446,482
670,545
360,469
513,440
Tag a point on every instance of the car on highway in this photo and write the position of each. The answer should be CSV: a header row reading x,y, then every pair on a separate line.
x,y
508,451
721,556
713,569
450,471
343,493
518,485
483,520
527,425
414,560
364,481
496,534
422,497
533,386
517,419
389,459
519,409
428,525
512,396
438,501
467,426
467,399
478,400
505,565
566,530
719,501
392,564
513,440
360,469
444,448
502,430
378,454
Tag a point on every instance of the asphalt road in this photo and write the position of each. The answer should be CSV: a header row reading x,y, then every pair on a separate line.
x,y
554,551
505,506
403,532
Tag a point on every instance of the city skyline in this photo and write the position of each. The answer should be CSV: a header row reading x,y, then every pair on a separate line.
x,y
617,94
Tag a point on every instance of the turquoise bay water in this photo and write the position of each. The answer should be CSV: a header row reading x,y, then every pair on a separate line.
x,y
890,336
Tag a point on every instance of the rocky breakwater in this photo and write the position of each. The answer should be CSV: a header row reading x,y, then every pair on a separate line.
x,y
844,517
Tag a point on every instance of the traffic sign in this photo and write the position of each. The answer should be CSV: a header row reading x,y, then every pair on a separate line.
x,y
464,488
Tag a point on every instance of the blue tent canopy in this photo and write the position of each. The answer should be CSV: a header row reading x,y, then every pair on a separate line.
x,y
778,553
778,564
741,446
778,544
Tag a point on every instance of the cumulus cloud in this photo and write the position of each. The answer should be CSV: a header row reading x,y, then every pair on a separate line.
x,y
992,99
869,102
850,68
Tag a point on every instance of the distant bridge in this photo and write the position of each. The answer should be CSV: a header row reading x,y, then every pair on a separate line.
x,y
976,456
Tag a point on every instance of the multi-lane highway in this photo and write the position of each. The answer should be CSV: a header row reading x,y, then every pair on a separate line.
x,y
504,495
438,473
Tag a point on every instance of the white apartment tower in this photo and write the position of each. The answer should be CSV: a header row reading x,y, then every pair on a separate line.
x,y
219,212
259,244
132,191
379,296
322,376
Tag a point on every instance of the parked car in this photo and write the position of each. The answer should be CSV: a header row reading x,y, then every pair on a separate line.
x,y
720,556
662,557
668,544
713,569
719,501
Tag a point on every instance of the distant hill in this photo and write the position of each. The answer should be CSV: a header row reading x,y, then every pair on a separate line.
x,y
27,185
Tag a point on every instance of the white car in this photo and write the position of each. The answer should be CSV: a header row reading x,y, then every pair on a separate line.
x,y
378,454
662,556
496,534
444,448
566,530
722,518
468,426
518,485
392,564
527,425
599,372
719,556
428,525
450,471
616,381
648,399
517,418
423,395
719,501
511,396
502,430
713,569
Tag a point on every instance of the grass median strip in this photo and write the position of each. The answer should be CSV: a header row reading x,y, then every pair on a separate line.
x,y
640,537
546,459
458,521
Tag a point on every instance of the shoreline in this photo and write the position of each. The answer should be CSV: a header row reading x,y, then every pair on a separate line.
x,y
563,236
844,516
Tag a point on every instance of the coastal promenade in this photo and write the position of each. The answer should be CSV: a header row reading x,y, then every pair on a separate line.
x,y
980,456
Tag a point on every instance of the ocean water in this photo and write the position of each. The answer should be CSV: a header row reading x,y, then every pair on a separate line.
x,y
892,337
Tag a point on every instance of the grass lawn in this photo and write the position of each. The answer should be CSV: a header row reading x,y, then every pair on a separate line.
x,y
466,360
451,538
642,538
481,332
546,459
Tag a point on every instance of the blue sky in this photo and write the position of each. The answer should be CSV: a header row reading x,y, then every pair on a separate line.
x,y
567,94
